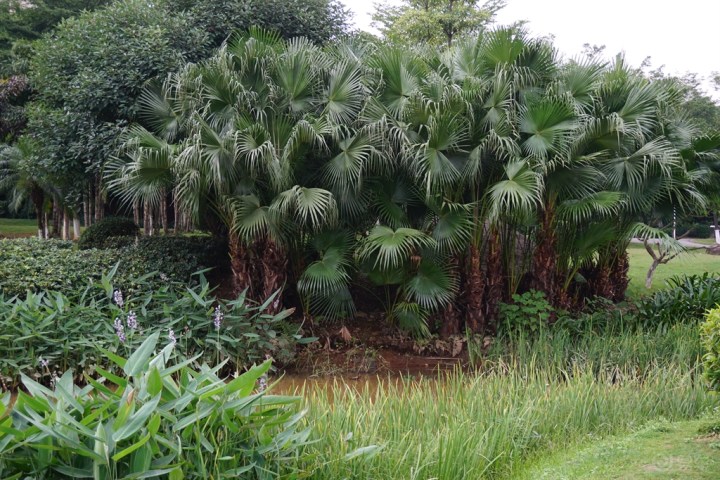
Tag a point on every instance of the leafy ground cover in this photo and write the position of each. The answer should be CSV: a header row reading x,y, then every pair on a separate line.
x,y
46,334
694,262
660,451
156,417
56,265
17,227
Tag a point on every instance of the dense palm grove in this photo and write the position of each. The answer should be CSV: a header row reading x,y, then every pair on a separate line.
x,y
445,181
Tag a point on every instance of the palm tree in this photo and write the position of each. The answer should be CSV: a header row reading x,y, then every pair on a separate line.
x,y
22,182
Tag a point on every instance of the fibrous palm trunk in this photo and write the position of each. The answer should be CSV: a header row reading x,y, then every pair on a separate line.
x,y
274,273
495,277
620,276
475,292
240,265
147,220
136,212
544,262
163,212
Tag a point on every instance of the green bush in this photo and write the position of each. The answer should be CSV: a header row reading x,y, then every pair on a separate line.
x,y
173,256
157,417
686,299
710,335
39,265
529,312
95,235
48,332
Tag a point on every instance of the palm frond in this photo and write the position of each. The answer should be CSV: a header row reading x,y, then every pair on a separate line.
x,y
432,286
519,191
411,318
388,248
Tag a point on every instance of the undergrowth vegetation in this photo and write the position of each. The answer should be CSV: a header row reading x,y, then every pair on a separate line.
x,y
48,333
686,299
531,397
710,333
157,418
42,265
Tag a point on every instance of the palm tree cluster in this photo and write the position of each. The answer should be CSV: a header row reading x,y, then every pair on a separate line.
x,y
443,181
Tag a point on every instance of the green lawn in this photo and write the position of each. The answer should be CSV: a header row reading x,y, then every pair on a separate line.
x,y
17,227
659,451
705,241
693,262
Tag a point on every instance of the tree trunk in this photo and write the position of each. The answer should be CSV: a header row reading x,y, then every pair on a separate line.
x,y
99,202
136,212
65,225
274,273
41,227
475,292
716,227
86,208
544,261
76,228
650,273
620,276
495,277
37,196
163,212
598,278
55,219
147,220
240,265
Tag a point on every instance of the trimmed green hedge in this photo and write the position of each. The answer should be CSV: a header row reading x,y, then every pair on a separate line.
x,y
36,265
95,236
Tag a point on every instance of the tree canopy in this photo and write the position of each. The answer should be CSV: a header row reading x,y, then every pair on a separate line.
x,y
29,20
433,22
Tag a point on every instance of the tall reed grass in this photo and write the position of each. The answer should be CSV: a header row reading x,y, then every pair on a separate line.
x,y
530,397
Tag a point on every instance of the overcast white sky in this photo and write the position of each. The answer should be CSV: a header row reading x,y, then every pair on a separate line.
x,y
684,36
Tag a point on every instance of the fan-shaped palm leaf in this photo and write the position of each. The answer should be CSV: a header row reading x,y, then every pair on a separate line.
x,y
388,248
519,191
431,287
411,318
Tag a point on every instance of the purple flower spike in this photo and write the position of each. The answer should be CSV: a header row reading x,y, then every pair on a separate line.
x,y
118,298
218,317
132,323
119,329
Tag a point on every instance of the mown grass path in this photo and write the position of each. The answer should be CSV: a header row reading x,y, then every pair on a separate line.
x,y
660,451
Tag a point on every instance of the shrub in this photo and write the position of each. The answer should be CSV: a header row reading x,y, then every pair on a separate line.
x,y
96,235
48,332
687,299
600,316
40,265
710,335
529,312
174,256
157,417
